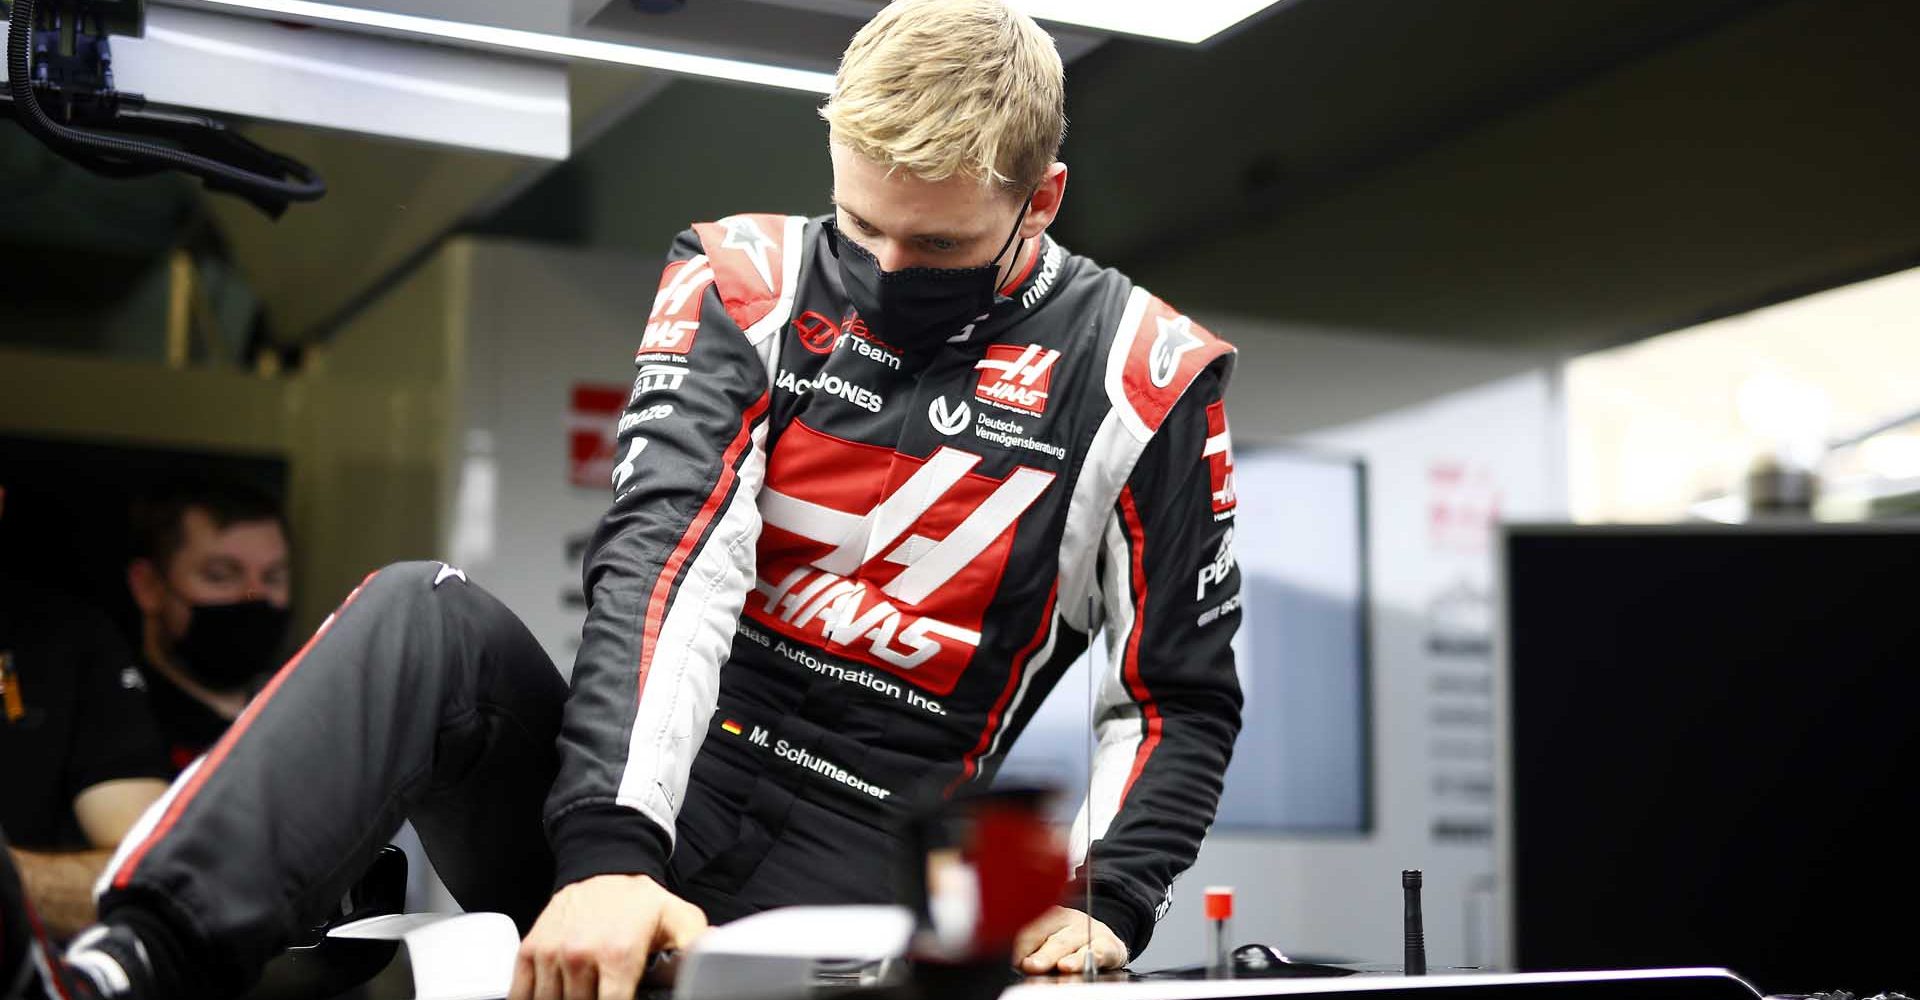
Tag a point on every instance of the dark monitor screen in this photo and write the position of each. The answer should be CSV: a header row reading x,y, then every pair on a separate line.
x,y
1716,751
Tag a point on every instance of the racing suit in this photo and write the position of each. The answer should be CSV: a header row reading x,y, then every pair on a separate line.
x,y
832,579
895,558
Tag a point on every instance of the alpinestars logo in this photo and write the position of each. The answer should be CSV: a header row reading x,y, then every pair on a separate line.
x,y
899,579
1174,339
1016,378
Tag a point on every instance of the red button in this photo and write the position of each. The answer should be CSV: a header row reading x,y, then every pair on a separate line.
x,y
1219,902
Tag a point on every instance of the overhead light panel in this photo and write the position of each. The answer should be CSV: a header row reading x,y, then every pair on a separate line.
x,y
539,44
1190,21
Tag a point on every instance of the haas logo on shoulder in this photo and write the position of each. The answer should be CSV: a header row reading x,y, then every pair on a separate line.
x,y
675,318
893,572
1219,455
1016,378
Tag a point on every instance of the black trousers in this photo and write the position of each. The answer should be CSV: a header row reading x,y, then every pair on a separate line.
x,y
425,698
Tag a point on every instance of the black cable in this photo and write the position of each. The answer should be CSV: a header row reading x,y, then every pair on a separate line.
x,y
90,149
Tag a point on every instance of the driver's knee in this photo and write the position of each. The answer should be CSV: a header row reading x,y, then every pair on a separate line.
x,y
450,624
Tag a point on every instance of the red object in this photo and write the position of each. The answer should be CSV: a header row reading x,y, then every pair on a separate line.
x,y
591,443
1022,869
1166,352
817,333
922,627
675,320
748,256
1218,453
1219,904
1016,378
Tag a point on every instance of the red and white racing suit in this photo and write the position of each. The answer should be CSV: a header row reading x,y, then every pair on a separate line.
x,y
833,576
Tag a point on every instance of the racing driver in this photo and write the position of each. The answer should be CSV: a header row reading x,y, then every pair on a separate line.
x,y
882,477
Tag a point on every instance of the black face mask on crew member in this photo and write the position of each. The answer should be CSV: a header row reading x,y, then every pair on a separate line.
x,y
228,645
915,309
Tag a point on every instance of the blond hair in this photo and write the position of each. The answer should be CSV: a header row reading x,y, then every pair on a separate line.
x,y
946,87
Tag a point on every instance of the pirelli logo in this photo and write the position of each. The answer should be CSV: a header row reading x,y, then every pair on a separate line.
x,y
658,378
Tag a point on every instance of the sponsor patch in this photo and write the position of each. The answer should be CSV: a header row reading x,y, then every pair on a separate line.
x,y
657,378
1211,615
1172,339
1161,352
628,465
949,419
831,385
816,332
874,352
1016,378
1219,456
1049,273
1215,573
1013,434
882,558
646,416
675,318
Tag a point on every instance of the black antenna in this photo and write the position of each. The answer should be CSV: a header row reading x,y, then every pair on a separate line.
x,y
1416,931
1087,967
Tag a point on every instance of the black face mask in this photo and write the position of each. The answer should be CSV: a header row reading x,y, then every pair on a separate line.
x,y
228,645
915,309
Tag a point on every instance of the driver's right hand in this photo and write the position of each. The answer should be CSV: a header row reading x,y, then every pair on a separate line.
x,y
593,939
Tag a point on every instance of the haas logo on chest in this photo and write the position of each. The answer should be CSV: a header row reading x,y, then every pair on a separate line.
x,y
882,558
1016,378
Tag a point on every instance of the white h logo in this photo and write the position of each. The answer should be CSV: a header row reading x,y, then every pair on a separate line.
x,y
1025,369
685,283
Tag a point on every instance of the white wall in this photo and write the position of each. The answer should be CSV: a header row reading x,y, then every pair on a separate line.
x,y
541,322
1414,412
1661,424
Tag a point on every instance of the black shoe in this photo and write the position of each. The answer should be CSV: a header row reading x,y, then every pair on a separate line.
x,y
106,962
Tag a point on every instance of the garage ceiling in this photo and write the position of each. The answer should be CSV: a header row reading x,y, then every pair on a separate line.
x,y
1397,166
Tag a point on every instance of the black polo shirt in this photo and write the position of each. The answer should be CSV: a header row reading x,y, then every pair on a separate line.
x,y
188,728
73,714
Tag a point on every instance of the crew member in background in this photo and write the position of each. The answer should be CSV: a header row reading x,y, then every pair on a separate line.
x,y
210,575
79,756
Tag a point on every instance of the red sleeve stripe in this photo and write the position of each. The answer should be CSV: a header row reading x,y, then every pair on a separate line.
x,y
670,573
225,746
971,763
1149,711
